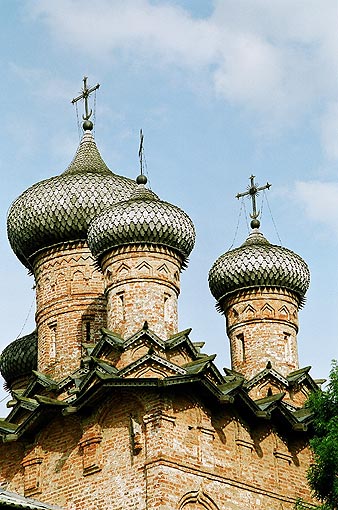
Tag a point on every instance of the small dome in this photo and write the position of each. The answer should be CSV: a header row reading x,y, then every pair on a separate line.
x,y
60,209
19,358
144,218
257,263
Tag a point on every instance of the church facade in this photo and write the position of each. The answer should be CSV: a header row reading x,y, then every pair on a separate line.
x,y
112,407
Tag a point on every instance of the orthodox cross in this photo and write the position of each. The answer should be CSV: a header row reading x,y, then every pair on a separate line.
x,y
84,95
252,192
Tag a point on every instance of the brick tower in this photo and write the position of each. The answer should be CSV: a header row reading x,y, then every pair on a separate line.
x,y
259,287
47,229
142,245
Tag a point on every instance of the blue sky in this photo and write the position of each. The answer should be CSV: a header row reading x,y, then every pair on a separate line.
x,y
221,89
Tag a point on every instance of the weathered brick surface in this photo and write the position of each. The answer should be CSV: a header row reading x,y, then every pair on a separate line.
x,y
144,450
71,307
262,326
151,449
142,284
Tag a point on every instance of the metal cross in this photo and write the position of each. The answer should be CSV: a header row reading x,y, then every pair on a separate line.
x,y
84,95
253,190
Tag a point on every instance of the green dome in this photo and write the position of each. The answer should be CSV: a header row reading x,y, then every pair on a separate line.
x,y
60,209
144,218
19,358
257,263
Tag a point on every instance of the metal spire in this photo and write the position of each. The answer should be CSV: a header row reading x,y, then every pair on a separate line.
x,y
141,179
253,191
140,151
87,125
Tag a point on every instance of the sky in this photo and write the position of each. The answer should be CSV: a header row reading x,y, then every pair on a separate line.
x,y
221,89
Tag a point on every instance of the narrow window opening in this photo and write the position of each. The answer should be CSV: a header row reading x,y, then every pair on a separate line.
x,y
240,348
121,306
166,306
288,347
88,331
52,337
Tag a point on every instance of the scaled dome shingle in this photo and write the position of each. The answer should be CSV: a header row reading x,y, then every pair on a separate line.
x,y
144,218
60,209
257,263
19,358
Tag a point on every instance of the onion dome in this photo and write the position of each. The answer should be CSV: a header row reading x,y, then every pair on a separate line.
x,y
60,209
257,263
19,358
144,218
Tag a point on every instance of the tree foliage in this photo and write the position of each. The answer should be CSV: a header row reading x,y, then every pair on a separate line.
x,y
323,474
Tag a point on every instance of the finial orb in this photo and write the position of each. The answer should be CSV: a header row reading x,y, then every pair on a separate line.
x,y
87,125
141,179
255,223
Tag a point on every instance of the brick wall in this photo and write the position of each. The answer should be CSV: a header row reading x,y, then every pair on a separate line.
x,y
262,326
144,450
71,306
142,284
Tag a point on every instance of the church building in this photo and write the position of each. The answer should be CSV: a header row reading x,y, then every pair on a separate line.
x,y
112,407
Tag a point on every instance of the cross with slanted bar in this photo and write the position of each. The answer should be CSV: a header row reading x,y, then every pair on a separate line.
x,y
253,190
84,95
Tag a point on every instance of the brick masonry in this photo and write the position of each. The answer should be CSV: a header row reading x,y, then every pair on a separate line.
x,y
142,283
148,450
163,449
262,325
70,306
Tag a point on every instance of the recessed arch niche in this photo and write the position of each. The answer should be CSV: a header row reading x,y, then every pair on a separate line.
x,y
197,500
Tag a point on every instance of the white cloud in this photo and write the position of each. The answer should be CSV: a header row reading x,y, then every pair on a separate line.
x,y
103,27
320,202
250,68
276,59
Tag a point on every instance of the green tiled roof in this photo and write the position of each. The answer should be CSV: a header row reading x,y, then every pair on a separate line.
x,y
61,208
98,376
